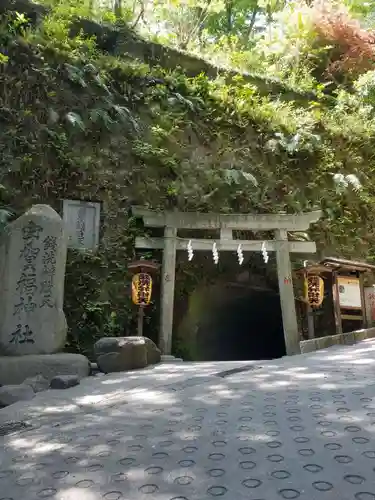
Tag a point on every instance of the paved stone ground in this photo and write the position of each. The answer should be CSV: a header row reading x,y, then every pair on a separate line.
x,y
301,427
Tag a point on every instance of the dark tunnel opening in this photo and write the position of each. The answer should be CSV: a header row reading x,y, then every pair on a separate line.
x,y
248,327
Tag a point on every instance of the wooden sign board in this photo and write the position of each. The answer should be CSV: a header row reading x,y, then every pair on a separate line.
x,y
82,222
349,292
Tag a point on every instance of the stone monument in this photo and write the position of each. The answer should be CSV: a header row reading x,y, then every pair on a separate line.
x,y
32,263
32,322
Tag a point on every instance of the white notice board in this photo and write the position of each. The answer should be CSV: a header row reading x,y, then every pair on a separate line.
x,y
349,292
82,223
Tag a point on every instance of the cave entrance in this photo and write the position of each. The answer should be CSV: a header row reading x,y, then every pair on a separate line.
x,y
218,235
246,326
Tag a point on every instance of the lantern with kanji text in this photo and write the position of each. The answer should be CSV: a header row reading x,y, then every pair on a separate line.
x,y
314,290
141,289
142,286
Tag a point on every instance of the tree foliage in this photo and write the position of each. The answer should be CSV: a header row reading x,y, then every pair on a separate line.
x,y
77,122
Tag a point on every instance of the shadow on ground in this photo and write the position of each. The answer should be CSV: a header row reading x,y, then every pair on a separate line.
x,y
300,427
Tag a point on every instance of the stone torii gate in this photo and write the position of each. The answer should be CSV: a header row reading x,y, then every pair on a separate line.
x,y
227,223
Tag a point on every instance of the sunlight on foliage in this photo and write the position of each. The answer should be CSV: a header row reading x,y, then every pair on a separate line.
x,y
89,110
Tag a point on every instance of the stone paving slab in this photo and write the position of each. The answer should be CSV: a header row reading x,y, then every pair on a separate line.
x,y
104,391
301,427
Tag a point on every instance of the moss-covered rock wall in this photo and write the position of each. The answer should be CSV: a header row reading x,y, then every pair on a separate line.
x,y
78,123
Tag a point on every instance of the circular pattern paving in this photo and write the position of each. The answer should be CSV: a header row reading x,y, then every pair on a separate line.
x,y
328,433
46,493
354,479
301,439
148,489
113,495
289,494
60,474
247,465
217,491
216,456
127,461
160,455
189,449
85,483
273,433
25,480
184,480
322,485
247,450
275,458
314,468
360,440
251,483
333,446
119,477
280,474
274,444
186,463
306,452
216,472
352,428
343,459
297,428
154,470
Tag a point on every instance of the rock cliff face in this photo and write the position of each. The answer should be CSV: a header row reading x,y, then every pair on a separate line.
x,y
33,11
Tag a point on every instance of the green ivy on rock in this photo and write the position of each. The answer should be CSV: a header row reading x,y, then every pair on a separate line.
x,y
77,123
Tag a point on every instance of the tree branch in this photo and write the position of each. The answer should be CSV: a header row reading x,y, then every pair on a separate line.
x,y
140,15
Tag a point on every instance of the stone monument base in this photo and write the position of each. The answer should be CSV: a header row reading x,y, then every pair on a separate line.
x,y
15,369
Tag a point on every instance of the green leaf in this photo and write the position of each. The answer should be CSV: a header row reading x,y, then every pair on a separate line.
x,y
234,176
75,120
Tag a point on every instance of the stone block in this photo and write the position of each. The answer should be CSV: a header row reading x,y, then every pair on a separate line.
x,y
15,369
125,353
64,381
348,338
37,383
10,394
168,358
153,352
370,333
307,346
116,354
360,335
336,339
32,271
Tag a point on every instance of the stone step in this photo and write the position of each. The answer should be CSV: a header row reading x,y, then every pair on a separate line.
x,y
167,358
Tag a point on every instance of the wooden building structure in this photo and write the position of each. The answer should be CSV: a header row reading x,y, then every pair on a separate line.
x,y
343,307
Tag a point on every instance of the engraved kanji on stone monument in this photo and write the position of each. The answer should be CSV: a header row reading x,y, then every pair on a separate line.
x,y
32,271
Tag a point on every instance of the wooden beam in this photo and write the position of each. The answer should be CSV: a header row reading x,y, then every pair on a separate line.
x,y
336,303
310,322
226,234
226,245
288,306
192,220
167,290
363,302
351,317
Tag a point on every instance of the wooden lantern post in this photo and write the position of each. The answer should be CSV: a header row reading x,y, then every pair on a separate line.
x,y
142,287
